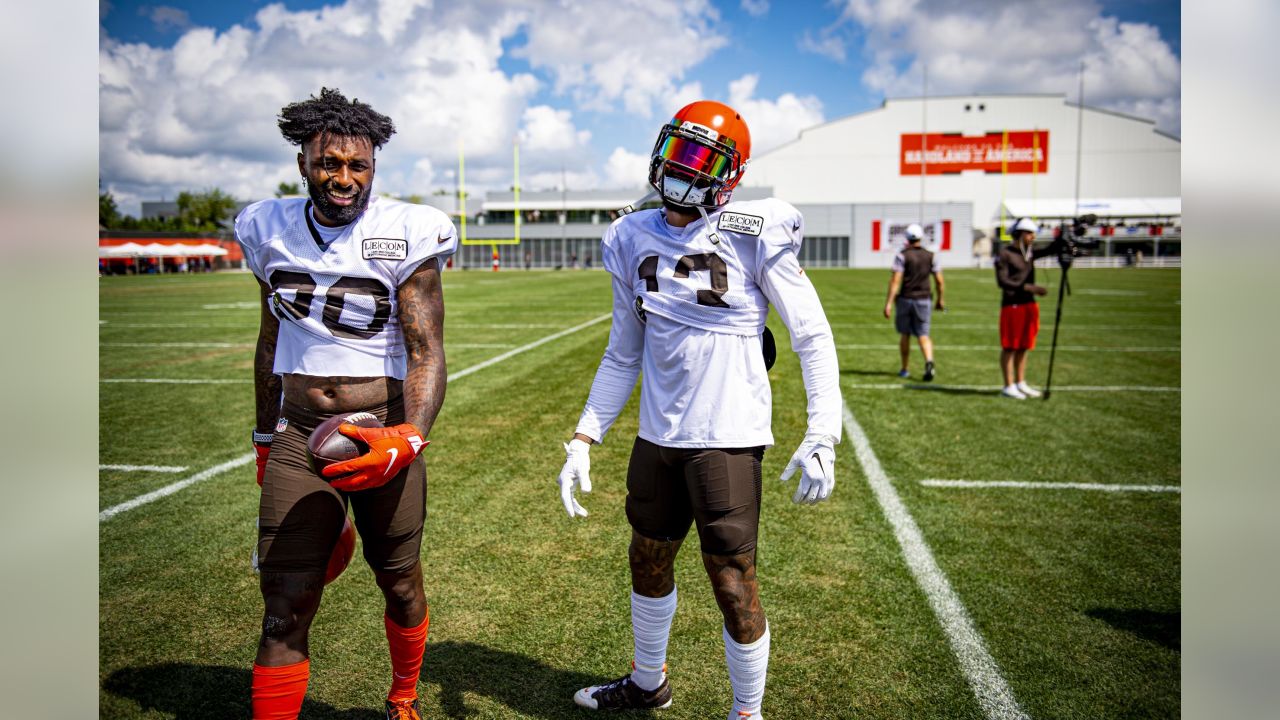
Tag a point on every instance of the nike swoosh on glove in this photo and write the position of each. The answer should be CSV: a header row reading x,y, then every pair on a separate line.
x,y
576,471
816,461
391,449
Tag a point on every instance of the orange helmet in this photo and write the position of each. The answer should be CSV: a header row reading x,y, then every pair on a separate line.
x,y
700,155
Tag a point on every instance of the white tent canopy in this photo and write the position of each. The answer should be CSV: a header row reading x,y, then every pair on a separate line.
x,y
156,249
1153,207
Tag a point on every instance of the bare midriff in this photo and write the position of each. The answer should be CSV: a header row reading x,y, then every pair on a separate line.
x,y
330,395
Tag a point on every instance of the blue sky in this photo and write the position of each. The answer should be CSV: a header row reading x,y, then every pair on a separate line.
x,y
189,90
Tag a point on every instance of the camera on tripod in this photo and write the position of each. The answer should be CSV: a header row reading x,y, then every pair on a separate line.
x,y
1072,243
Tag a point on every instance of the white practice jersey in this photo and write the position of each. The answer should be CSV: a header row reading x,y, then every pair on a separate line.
x,y
688,315
337,302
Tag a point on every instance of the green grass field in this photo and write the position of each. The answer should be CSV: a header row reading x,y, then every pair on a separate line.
x,y
1075,592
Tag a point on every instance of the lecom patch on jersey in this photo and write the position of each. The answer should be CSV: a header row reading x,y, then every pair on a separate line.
x,y
740,223
384,249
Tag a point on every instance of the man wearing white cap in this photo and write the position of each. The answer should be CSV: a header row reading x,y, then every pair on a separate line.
x,y
909,294
1019,313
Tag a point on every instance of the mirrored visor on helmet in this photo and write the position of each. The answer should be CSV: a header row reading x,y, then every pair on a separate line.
x,y
695,156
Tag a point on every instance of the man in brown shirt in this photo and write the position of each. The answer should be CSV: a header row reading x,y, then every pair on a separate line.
x,y
909,294
1019,313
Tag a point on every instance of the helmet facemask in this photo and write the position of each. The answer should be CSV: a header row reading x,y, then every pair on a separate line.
x,y
694,166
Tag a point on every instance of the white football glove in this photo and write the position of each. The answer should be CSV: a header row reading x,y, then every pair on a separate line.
x,y
576,470
816,460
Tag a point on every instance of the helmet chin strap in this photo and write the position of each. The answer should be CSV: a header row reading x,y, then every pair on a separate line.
x,y
711,234
651,195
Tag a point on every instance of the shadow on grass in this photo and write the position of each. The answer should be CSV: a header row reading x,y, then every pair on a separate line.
x,y
207,692
523,684
870,373
1162,628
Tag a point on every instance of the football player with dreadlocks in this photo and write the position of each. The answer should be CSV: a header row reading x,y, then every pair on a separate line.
x,y
352,320
692,286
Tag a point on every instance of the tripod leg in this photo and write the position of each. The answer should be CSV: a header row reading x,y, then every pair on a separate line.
x,y
1057,320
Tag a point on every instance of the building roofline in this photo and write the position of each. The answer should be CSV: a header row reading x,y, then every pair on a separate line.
x,y
885,102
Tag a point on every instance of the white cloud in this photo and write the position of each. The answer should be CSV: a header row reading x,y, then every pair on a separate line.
x,y
773,122
202,113
165,18
994,46
632,54
548,129
756,8
625,169
825,43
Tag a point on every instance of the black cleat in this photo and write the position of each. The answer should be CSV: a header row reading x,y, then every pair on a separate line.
x,y
622,694
403,710
928,371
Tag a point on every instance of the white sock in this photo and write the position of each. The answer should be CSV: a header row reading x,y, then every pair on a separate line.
x,y
748,667
651,626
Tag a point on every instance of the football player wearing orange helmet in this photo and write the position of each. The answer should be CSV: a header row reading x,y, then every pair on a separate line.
x,y
692,286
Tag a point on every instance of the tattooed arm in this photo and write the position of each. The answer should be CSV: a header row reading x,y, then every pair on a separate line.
x,y
266,384
421,300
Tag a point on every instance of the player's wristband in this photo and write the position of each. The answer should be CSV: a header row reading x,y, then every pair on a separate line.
x,y
262,438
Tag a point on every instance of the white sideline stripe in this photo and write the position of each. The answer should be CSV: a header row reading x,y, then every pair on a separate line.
x,y
994,348
175,487
524,348
996,389
247,458
145,468
177,344
981,670
1104,487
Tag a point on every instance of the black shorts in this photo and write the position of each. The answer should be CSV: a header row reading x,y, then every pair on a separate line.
x,y
300,515
719,488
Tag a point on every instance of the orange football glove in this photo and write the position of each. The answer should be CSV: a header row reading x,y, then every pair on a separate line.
x,y
391,449
261,449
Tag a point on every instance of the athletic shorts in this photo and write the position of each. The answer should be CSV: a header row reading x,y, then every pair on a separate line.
x,y
718,488
300,515
1019,325
911,316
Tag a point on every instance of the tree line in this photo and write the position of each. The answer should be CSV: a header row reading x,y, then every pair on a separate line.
x,y
209,211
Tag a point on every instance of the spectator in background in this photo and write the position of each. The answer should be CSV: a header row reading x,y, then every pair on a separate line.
x,y
909,295
1019,313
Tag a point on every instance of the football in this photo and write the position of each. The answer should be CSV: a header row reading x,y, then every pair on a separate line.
x,y
327,446
343,551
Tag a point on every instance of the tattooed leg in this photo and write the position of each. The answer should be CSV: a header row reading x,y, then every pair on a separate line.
x,y
653,565
291,601
733,578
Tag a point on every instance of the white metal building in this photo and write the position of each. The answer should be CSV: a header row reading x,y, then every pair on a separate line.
x,y
979,151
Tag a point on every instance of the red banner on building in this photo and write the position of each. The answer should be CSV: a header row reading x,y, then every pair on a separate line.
x,y
1024,151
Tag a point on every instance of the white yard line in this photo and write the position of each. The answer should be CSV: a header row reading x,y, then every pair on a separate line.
x,y
524,348
177,345
144,468
1103,487
247,458
175,487
940,324
988,684
179,381
944,348
995,390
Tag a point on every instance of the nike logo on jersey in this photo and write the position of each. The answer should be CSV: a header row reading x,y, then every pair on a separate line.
x,y
740,223
384,249
394,454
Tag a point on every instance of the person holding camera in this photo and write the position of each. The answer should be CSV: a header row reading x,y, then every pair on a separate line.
x,y
909,295
1019,313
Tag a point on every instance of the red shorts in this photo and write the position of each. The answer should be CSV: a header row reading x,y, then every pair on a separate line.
x,y
1019,325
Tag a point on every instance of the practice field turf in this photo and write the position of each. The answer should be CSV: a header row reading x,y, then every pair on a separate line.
x,y
1059,602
